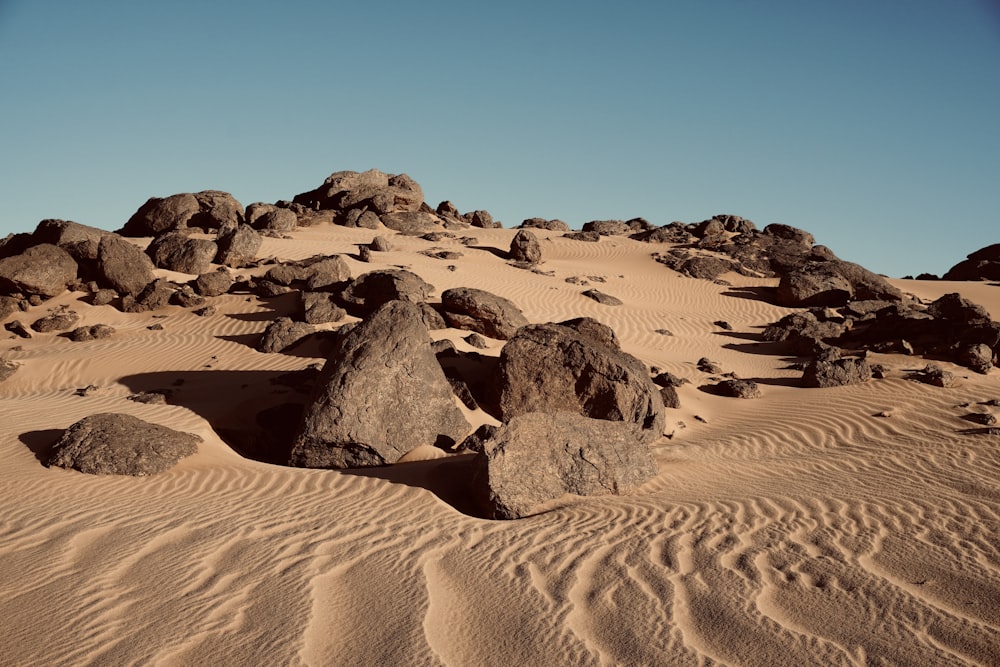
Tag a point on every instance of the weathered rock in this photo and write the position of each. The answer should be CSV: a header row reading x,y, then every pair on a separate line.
x,y
93,332
271,218
481,311
608,227
119,444
602,298
833,283
552,367
213,283
7,369
789,233
65,233
738,389
588,326
162,214
542,223
282,334
705,267
122,266
983,264
57,321
410,222
380,244
671,399
175,251
371,290
104,297
238,246
216,210
590,237
380,394
320,307
525,248
475,441
8,306
481,219
42,269
706,365
979,357
936,376
476,341
153,296
374,190
803,332
675,232
185,297
17,328
836,372
315,273
538,457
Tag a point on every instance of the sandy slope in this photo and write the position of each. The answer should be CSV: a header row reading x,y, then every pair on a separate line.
x,y
796,529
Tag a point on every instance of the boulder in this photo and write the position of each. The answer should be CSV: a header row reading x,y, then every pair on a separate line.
x,y
675,232
410,222
589,237
162,214
7,369
542,223
122,266
836,372
936,376
380,394
380,244
216,210
373,289
602,298
832,283
66,233
538,457
282,334
738,389
58,321
525,248
157,294
803,332
238,246
268,217
481,219
120,444
373,190
481,311
93,332
314,273
789,233
591,328
213,283
983,264
43,270
608,227
320,307
175,251
553,368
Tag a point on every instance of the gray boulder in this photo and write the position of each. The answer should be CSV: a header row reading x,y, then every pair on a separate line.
x,y
122,266
175,251
481,311
556,368
43,269
381,393
238,246
525,248
120,444
538,457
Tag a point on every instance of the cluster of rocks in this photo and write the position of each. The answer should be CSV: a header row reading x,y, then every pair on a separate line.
x,y
983,264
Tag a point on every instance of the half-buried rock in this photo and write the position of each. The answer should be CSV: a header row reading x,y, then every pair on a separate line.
x,y
380,394
538,457
120,444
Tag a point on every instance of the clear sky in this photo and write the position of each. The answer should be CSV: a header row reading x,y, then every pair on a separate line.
x,y
873,124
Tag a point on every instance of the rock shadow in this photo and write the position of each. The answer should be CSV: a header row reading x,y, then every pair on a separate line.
x,y
765,294
502,254
316,345
41,443
283,305
479,372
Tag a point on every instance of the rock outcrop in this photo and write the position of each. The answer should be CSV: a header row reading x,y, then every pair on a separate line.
x,y
371,190
209,209
983,264
175,251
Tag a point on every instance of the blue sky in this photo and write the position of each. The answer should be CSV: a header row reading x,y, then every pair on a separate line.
x,y
873,124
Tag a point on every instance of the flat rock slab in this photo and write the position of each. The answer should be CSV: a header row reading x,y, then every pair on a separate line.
x,y
120,444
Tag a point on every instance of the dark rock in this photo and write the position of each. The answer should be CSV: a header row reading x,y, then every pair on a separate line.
x,y
461,389
706,268
675,232
320,307
374,190
368,220
789,233
58,321
18,329
157,397
319,272
185,297
8,306
602,298
7,369
238,246
65,233
481,311
380,394
538,457
206,311
979,357
216,210
476,341
983,418
542,223
104,297
936,376
159,215
175,251
475,441
666,379
371,290
525,248
671,399
832,283
608,227
983,264
42,269
282,334
836,373
706,365
590,237
552,367
410,222
481,219
271,218
448,210
213,283
738,389
381,244
365,254
153,296
954,308
122,266
94,332
803,332
591,328
722,324
431,318
119,444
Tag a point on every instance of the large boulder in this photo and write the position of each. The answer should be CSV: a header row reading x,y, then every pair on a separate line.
x,y
314,273
282,333
538,457
123,266
375,288
542,223
833,283
608,227
209,209
271,218
213,283
983,264
410,222
120,444
66,232
557,368
43,269
381,393
481,311
238,246
175,251
372,189
216,210
525,248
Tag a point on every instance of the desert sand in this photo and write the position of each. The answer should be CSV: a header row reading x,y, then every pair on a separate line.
x,y
854,525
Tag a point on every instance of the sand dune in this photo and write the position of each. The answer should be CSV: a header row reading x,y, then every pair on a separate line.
x,y
801,528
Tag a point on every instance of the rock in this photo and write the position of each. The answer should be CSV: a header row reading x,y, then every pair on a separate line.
x,y
18,329
159,215
368,220
955,308
476,341
590,237
365,254
936,376
174,251
542,223
371,290
216,210
185,297
410,222
153,296
538,457
270,218
591,328
675,232
836,373
447,210
379,395
553,367
475,441
213,283
283,333
671,399
119,444
7,369
804,333
738,389
64,233
666,379
788,233
602,298
58,321
374,190
42,269
380,244
983,418
93,332
104,297
983,264
318,272
979,357
122,266
608,227
320,307
525,248
706,365
724,325
832,283
481,311
481,219
238,246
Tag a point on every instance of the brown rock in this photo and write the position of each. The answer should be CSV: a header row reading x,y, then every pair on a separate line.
x,y
42,269
122,266
525,248
481,311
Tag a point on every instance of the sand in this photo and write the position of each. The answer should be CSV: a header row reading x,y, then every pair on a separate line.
x,y
856,525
